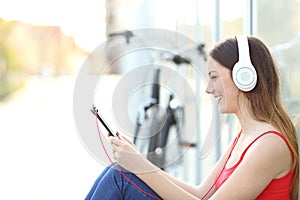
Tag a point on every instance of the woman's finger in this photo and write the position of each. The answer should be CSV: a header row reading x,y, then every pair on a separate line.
x,y
115,150
115,141
122,137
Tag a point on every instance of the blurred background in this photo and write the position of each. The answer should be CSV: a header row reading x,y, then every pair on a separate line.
x,y
44,43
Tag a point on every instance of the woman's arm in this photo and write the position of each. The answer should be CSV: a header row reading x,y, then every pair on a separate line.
x,y
130,159
166,186
265,160
162,183
206,188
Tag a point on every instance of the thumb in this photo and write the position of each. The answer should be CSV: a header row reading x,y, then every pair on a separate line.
x,y
122,137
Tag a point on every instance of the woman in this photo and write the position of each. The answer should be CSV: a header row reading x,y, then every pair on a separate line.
x,y
261,163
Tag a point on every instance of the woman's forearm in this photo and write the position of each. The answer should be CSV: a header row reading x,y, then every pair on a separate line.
x,y
165,185
187,187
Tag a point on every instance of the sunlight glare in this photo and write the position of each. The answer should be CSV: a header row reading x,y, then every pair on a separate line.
x,y
84,20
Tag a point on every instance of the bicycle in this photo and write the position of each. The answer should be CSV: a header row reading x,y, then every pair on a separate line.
x,y
163,115
172,119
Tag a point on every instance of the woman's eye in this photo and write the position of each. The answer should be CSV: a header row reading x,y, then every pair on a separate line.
x,y
213,77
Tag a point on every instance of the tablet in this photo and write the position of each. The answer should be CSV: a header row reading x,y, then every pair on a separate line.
x,y
111,132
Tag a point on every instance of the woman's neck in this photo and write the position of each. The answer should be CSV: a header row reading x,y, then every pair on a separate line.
x,y
254,128
251,126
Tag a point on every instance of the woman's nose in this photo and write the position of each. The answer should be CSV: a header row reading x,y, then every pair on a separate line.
x,y
209,89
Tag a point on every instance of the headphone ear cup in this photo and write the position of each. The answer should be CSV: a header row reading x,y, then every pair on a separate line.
x,y
243,73
245,78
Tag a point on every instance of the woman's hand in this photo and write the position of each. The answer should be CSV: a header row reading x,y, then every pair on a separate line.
x,y
127,156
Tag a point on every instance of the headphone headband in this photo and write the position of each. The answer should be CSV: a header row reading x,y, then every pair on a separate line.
x,y
243,49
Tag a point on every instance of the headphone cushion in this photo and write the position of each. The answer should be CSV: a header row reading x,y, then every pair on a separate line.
x,y
244,76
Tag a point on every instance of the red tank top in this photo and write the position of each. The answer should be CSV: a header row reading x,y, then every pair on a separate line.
x,y
277,188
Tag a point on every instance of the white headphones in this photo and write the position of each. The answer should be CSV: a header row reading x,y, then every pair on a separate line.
x,y
243,72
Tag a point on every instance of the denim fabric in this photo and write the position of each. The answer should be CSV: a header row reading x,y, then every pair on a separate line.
x,y
112,185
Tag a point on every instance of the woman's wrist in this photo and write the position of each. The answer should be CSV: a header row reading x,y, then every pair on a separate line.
x,y
145,167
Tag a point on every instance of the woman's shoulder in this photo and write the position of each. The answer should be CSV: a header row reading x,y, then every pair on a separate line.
x,y
267,136
272,139
271,147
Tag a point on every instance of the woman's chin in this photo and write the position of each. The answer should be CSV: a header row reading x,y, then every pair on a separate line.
x,y
222,110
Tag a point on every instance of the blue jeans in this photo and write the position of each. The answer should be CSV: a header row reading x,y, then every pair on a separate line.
x,y
111,184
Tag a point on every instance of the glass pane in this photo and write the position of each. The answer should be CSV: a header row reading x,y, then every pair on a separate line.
x,y
232,13
278,26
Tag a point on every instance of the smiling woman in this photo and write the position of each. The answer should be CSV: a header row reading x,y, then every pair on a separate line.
x,y
223,89
261,163
259,111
